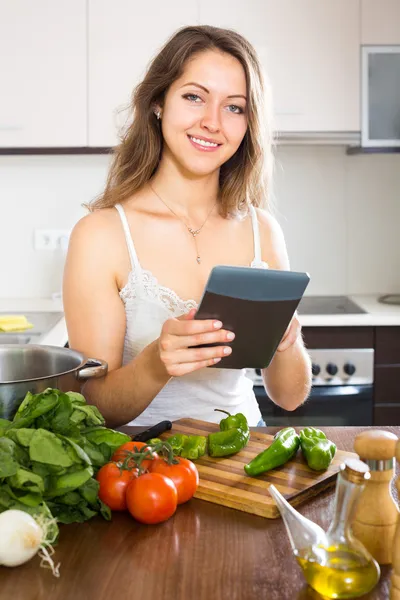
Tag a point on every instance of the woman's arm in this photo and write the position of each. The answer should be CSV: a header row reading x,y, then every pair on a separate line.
x,y
287,379
95,317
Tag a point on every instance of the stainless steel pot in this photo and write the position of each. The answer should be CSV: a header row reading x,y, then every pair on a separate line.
x,y
29,368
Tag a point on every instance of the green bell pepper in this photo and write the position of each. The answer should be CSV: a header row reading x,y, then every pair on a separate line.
x,y
188,446
317,449
234,434
283,448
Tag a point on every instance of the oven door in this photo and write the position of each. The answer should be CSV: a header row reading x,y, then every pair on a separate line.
x,y
344,405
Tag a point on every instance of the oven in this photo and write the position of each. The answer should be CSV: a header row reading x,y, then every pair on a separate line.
x,y
341,394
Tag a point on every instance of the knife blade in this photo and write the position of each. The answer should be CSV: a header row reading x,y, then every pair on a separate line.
x,y
152,432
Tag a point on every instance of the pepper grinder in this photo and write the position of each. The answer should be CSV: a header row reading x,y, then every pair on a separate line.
x,y
395,580
375,518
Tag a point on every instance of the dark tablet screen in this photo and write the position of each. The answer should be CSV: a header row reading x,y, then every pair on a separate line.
x,y
257,305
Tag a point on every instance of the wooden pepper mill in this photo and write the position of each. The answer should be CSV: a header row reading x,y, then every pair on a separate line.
x,y
395,580
376,514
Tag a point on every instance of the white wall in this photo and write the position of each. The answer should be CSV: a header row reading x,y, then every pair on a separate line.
x,y
340,215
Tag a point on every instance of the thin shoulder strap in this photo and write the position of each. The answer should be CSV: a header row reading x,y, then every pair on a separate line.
x,y
256,236
129,242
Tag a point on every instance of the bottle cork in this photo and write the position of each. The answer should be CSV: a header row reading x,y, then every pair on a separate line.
x,y
375,519
395,579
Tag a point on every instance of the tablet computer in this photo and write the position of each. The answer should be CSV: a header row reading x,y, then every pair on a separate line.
x,y
257,305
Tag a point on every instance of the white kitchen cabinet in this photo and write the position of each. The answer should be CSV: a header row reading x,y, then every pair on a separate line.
x,y
43,73
380,22
310,51
123,37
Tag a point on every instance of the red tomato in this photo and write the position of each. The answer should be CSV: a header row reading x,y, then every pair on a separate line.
x,y
151,498
122,452
113,484
184,475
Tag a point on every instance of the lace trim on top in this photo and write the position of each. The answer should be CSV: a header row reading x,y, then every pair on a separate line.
x,y
153,290
168,298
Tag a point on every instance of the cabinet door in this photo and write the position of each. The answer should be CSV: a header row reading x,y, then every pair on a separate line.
x,y
380,22
310,51
123,37
43,73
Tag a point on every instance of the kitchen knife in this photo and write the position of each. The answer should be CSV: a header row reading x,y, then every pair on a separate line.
x,y
153,432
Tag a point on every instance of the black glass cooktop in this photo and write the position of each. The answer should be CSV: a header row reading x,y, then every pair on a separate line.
x,y
328,305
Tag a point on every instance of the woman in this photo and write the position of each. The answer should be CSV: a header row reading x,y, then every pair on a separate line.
x,y
182,196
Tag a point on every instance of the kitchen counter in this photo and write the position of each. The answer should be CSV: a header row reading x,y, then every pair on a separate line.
x,y
204,552
377,314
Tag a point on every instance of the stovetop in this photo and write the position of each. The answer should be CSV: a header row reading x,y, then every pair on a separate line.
x,y
328,305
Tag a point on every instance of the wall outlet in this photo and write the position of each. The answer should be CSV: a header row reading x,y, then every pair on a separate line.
x,y
51,239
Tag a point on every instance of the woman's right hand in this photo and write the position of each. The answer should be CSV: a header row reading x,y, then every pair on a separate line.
x,y
178,334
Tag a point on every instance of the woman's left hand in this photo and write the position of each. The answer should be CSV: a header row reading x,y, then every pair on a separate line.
x,y
291,334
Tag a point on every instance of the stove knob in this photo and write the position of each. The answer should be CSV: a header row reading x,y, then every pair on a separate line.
x,y
331,368
315,369
349,369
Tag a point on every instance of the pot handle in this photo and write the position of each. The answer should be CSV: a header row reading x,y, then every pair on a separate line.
x,y
92,369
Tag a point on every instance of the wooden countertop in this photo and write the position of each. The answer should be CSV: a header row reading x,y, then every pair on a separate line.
x,y
204,552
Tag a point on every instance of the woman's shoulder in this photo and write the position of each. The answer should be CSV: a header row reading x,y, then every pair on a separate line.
x,y
96,224
273,245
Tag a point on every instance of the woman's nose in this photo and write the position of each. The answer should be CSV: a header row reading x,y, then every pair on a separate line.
x,y
211,119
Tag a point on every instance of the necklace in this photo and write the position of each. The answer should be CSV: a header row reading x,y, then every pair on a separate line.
x,y
193,232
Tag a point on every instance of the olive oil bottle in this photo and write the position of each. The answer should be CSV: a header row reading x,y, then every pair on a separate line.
x,y
335,563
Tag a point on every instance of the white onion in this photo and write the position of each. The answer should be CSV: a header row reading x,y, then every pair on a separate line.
x,y
20,537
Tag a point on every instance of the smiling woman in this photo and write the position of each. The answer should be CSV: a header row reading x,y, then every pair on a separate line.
x,y
183,195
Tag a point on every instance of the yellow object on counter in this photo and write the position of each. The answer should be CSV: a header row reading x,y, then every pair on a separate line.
x,y
11,323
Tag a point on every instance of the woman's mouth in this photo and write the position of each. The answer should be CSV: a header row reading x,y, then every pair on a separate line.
x,y
203,145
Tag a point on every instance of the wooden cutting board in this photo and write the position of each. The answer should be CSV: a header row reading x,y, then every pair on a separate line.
x,y
223,480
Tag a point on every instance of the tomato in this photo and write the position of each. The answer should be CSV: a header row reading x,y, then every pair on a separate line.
x,y
184,475
121,453
113,484
151,498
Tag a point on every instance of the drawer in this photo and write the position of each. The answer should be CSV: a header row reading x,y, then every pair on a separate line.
x,y
387,385
387,345
387,414
338,337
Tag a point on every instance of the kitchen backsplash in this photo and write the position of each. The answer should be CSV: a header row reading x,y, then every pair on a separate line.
x,y
340,215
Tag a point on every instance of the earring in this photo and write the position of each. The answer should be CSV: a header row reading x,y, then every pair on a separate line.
x,y
158,114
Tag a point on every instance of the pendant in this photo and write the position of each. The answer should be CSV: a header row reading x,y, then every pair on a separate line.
x,y
198,260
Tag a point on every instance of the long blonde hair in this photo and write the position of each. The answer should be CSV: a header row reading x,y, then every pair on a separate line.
x,y
246,177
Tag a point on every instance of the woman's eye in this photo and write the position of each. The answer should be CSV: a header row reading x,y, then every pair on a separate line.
x,y
235,109
192,97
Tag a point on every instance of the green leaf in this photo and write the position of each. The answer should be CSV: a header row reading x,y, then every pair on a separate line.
x,y
89,491
8,464
22,436
76,397
69,482
26,480
4,424
102,435
33,406
47,448
92,414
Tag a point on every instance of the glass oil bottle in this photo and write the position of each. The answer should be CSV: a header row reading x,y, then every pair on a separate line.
x,y
335,563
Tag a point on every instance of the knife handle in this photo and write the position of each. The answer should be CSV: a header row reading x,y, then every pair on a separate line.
x,y
153,432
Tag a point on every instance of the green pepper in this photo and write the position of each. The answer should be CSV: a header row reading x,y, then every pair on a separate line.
x,y
188,446
317,449
234,434
283,448
194,447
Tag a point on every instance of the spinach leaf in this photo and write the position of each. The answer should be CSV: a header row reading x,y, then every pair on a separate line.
x,y
8,463
47,448
69,482
26,480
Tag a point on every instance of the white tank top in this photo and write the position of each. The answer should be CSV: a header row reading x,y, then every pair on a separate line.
x,y
195,395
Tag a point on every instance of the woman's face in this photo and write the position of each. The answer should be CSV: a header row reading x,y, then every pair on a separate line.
x,y
204,116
